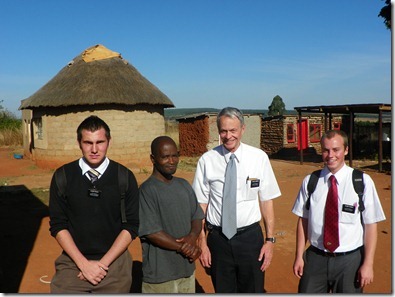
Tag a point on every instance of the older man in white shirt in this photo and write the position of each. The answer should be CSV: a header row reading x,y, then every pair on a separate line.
x,y
237,263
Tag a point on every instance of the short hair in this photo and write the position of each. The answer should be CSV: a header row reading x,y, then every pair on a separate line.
x,y
93,123
158,140
332,133
231,112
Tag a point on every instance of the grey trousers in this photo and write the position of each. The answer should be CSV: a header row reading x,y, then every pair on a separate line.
x,y
323,274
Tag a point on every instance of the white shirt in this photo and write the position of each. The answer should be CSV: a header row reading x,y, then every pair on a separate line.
x,y
350,226
255,178
85,167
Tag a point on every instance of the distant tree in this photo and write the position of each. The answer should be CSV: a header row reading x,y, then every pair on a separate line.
x,y
385,13
277,107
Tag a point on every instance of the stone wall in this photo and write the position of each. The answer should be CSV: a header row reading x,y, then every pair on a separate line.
x,y
272,135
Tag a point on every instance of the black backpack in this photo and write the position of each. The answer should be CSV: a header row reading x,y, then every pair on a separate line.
x,y
357,181
61,182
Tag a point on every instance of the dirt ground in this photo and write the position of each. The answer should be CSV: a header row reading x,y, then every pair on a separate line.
x,y
28,251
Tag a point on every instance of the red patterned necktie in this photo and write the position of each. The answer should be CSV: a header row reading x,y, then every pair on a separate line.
x,y
331,224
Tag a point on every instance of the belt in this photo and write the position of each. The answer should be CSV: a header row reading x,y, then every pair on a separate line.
x,y
328,254
239,230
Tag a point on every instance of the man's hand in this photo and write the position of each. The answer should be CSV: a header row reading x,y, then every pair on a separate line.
x,y
205,257
94,272
266,255
189,247
298,267
365,275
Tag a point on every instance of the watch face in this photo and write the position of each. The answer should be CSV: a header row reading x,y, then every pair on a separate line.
x,y
271,239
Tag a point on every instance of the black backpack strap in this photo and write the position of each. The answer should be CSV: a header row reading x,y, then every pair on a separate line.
x,y
61,181
313,180
123,186
359,187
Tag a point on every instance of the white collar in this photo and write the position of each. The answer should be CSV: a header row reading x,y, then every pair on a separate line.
x,y
85,167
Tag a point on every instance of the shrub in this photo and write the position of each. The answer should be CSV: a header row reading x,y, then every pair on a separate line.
x,y
10,129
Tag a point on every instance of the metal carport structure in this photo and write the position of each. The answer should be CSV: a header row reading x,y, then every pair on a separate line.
x,y
351,110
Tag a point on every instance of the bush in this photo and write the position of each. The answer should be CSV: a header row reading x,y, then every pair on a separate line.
x,y
10,129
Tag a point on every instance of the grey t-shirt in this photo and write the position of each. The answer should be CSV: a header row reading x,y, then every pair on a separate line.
x,y
170,207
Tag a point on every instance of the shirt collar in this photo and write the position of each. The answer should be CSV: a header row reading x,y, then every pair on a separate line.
x,y
237,153
340,175
85,167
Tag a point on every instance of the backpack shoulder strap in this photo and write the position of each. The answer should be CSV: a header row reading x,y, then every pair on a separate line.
x,y
61,181
312,185
123,186
359,187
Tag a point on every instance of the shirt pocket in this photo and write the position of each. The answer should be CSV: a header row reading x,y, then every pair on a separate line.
x,y
349,213
252,186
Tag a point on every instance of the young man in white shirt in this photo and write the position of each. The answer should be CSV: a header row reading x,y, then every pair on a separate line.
x,y
348,267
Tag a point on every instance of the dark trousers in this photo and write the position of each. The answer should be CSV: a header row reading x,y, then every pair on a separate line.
x,y
234,263
323,274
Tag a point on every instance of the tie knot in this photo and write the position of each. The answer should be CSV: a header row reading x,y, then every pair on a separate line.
x,y
332,179
232,156
93,174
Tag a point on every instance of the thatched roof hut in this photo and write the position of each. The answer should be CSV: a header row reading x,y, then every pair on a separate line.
x,y
97,76
98,81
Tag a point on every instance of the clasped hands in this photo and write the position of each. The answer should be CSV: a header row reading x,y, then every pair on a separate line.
x,y
94,272
189,247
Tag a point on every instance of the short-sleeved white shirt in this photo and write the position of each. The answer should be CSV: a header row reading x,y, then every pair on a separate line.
x,y
350,226
255,180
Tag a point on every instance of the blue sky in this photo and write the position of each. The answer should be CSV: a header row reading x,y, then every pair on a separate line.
x,y
207,53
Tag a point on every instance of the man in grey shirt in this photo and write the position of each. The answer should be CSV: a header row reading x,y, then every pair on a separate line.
x,y
170,223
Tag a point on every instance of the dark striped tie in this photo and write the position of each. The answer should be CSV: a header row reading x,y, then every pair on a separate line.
x,y
93,174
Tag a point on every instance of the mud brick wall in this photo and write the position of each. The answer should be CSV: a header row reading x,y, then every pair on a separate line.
x,y
194,136
132,133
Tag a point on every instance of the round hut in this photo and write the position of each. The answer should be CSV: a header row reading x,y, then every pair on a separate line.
x,y
100,82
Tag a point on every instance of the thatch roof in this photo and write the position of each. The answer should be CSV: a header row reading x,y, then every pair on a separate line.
x,y
97,76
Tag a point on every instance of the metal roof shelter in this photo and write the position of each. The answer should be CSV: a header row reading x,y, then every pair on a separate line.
x,y
351,110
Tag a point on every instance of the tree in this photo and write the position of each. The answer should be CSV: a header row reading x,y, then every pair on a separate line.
x,y
385,13
277,107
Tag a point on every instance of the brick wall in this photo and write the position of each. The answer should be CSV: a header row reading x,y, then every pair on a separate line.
x,y
194,136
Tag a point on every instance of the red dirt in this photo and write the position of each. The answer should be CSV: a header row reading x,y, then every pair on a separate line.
x,y
279,277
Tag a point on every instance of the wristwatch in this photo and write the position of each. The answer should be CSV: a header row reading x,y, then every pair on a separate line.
x,y
271,239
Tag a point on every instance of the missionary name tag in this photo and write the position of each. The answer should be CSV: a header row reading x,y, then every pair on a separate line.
x,y
255,183
348,208
94,193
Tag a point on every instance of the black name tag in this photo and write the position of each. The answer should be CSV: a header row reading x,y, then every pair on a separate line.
x,y
94,193
348,208
255,183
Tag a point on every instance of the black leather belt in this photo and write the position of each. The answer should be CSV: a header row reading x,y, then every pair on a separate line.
x,y
328,254
239,230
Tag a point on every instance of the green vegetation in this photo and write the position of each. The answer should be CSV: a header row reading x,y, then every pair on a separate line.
x,y
188,163
277,107
10,128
